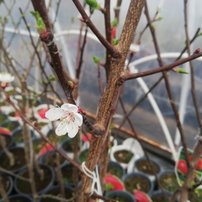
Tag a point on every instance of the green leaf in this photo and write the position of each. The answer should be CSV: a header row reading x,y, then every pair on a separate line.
x,y
39,21
108,187
92,4
115,42
159,18
96,59
181,71
115,22
51,78
200,34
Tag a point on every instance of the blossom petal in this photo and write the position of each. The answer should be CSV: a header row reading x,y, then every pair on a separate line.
x,y
72,130
62,128
69,107
78,119
54,114
6,77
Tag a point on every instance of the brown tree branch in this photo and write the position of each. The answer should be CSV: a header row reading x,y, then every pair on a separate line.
x,y
65,80
48,38
108,35
109,99
127,76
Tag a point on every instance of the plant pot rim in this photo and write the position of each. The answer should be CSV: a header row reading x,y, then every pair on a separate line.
x,y
11,183
9,120
21,144
56,187
21,195
116,165
133,174
151,176
124,193
42,158
11,143
160,192
41,191
14,147
163,173
123,147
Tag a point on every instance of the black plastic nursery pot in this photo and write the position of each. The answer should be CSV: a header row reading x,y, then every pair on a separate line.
x,y
20,198
43,182
123,156
14,163
116,169
11,125
167,181
120,196
71,175
138,181
161,196
17,136
148,167
54,195
195,195
7,184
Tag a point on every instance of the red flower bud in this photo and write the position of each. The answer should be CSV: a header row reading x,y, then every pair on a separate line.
x,y
182,166
113,33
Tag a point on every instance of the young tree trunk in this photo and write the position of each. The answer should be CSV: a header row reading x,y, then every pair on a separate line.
x,y
109,99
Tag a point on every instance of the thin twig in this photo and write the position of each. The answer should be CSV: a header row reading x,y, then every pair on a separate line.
x,y
113,51
167,84
157,82
160,69
37,53
193,88
78,69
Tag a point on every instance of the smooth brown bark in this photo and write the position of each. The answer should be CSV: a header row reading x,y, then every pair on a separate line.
x,y
109,99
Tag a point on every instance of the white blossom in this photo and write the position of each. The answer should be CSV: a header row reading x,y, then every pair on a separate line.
x,y
5,77
70,119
